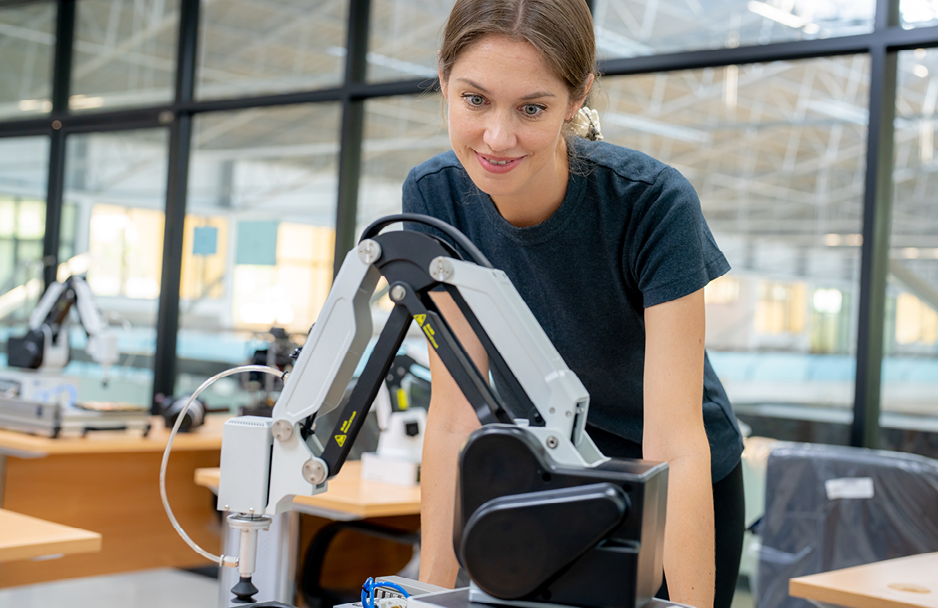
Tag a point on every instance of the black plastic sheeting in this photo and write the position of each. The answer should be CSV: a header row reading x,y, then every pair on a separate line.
x,y
832,507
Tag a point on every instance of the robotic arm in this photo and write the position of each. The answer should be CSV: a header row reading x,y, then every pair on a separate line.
x,y
45,345
533,472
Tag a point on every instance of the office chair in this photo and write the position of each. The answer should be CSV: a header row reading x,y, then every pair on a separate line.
x,y
831,507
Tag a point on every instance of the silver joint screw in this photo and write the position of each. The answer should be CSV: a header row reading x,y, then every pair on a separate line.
x,y
569,413
552,442
314,471
398,293
441,268
282,430
369,251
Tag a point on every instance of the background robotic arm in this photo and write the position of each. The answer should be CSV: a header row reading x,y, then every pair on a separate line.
x,y
45,346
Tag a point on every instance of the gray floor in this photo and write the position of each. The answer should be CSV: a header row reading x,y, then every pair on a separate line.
x,y
164,588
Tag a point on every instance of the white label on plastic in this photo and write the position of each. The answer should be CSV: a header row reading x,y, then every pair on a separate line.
x,y
849,487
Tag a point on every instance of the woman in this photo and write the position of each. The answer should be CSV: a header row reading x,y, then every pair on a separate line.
x,y
609,249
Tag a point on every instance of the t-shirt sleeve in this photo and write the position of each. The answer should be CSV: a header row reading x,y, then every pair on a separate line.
x,y
672,251
414,201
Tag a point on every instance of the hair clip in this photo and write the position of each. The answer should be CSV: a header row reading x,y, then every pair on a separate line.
x,y
585,124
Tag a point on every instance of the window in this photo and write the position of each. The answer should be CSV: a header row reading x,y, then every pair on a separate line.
x,y
629,28
27,44
776,152
404,38
271,46
116,187
23,174
910,364
124,54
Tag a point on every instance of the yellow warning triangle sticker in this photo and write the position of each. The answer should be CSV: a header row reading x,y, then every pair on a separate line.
x,y
420,319
340,439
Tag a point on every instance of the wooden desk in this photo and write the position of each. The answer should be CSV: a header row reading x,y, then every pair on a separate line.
x,y
348,496
108,482
25,537
896,583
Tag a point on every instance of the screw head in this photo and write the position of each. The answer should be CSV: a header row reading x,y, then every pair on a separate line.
x,y
314,471
552,442
282,430
369,251
397,293
441,268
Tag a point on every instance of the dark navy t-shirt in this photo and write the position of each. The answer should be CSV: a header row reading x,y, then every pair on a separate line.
x,y
629,234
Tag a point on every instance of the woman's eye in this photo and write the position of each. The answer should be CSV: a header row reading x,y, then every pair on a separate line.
x,y
531,110
474,100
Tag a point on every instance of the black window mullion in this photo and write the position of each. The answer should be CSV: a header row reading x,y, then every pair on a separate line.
x,y
352,133
61,83
180,143
877,222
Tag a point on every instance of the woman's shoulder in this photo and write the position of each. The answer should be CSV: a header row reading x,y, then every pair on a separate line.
x,y
625,163
441,163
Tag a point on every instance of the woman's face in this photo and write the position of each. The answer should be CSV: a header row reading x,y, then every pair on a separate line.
x,y
506,112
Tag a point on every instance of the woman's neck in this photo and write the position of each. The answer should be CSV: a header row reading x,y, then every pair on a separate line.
x,y
537,203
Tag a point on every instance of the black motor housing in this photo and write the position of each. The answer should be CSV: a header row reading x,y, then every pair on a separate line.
x,y
529,529
27,351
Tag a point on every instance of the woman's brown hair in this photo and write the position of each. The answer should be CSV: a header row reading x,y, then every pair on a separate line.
x,y
562,30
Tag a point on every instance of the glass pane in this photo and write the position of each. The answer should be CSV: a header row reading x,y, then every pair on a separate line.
x,y
777,154
910,365
270,46
259,238
400,133
918,13
125,53
116,185
27,45
630,28
404,38
24,166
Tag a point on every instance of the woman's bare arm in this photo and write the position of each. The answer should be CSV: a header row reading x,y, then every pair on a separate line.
x,y
449,422
674,432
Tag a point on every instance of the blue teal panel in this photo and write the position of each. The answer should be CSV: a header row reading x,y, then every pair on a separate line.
x,y
205,240
257,243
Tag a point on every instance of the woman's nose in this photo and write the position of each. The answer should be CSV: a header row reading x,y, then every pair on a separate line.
x,y
499,132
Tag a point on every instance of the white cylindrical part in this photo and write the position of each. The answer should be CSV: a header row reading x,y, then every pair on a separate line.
x,y
247,552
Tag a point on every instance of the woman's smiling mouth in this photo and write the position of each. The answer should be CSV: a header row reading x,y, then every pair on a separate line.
x,y
495,164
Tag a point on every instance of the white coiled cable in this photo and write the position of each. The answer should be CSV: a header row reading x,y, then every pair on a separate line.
x,y
221,560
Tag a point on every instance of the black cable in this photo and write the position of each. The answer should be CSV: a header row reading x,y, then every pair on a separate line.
x,y
461,239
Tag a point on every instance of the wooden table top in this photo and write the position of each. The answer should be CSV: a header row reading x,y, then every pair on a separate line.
x,y
348,493
205,437
896,583
25,537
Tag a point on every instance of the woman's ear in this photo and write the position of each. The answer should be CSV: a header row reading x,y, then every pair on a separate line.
x,y
442,83
439,75
578,103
